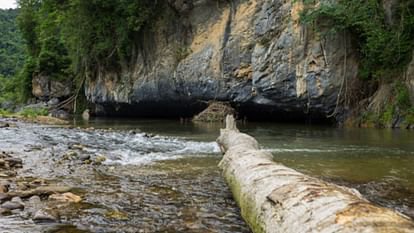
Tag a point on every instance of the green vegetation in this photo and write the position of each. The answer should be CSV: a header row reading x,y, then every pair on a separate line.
x,y
398,107
11,44
385,42
71,38
4,113
12,57
67,40
33,112
385,47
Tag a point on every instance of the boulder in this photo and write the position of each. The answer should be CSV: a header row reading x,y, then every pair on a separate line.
x,y
45,87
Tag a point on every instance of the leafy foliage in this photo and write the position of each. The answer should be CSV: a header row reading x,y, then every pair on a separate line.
x,y
11,44
82,35
67,39
384,47
12,58
33,112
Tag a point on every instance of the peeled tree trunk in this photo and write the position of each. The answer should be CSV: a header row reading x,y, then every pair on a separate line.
x,y
275,198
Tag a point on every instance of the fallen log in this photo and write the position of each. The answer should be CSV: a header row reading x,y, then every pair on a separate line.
x,y
275,198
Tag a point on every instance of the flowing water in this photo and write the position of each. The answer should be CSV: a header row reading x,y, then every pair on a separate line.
x,y
162,175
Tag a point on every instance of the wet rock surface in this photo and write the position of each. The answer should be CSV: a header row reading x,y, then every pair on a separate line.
x,y
76,180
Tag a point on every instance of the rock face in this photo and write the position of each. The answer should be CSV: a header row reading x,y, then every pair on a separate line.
x,y
254,54
43,87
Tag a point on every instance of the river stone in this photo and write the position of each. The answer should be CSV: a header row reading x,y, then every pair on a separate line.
x,y
32,206
16,211
45,215
37,183
66,197
4,125
4,211
2,163
34,199
17,200
42,190
3,188
14,162
4,196
100,159
11,205
84,157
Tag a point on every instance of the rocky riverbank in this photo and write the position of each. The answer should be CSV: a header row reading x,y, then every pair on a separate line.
x,y
59,179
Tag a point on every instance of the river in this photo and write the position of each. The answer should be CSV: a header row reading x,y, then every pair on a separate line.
x,y
162,175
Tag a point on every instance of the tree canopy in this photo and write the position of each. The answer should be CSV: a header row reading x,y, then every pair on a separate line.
x,y
67,38
11,44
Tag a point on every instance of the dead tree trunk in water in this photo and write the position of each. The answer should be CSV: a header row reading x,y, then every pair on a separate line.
x,y
275,198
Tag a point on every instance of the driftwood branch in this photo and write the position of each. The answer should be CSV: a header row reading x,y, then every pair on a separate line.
x,y
275,198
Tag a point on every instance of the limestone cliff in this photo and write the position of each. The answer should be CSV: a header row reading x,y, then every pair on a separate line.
x,y
254,54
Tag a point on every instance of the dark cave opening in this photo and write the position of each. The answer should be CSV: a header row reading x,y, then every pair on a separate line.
x,y
186,110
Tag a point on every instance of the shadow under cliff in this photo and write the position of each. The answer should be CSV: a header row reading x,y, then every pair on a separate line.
x,y
185,110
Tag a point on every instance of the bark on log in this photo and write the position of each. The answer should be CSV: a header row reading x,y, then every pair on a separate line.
x,y
275,198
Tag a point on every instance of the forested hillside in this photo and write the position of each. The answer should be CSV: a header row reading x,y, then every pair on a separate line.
x,y
12,58
11,43
66,38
